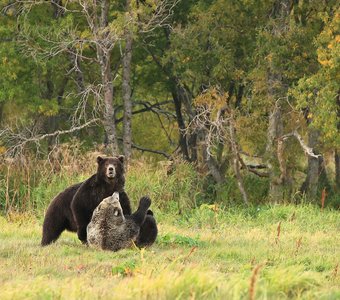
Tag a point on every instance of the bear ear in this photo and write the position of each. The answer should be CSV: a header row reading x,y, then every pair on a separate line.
x,y
121,158
99,159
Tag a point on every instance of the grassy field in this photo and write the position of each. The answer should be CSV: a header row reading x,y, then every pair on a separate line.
x,y
277,252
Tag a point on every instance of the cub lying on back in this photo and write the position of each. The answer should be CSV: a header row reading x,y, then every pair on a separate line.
x,y
109,229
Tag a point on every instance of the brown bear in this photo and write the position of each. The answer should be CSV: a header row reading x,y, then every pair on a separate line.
x,y
109,229
72,209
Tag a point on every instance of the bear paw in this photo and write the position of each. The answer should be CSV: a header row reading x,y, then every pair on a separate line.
x,y
145,202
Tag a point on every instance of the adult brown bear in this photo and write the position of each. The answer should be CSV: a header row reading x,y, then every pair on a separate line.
x,y
72,209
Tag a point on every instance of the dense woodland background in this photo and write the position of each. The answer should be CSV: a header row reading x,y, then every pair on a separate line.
x,y
241,98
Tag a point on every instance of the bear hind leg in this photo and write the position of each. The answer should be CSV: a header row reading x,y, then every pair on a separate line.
x,y
148,232
52,230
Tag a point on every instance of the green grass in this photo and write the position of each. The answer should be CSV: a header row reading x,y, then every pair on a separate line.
x,y
207,253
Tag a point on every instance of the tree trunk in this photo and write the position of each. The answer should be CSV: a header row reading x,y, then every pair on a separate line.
x,y
180,122
336,153
239,97
275,131
310,185
126,89
337,170
276,89
236,163
108,117
212,165
50,122
58,10
179,95
2,105
104,49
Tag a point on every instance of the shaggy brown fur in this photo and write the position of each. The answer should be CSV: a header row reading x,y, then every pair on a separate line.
x,y
72,209
109,229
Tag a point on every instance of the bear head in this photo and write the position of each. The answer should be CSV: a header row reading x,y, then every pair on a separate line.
x,y
111,169
112,206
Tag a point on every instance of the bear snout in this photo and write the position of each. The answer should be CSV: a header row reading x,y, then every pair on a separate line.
x,y
110,171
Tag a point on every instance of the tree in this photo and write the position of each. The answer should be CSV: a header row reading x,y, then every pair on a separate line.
x,y
126,84
318,94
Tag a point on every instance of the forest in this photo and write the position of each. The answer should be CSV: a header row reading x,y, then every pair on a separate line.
x,y
228,115
244,91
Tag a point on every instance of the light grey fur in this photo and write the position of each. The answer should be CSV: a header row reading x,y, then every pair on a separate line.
x,y
109,229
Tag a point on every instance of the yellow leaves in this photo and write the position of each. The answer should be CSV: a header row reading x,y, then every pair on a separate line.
x,y
211,99
295,46
86,34
269,57
239,74
10,12
186,59
324,62
334,43
2,149
213,207
49,108
324,57
329,46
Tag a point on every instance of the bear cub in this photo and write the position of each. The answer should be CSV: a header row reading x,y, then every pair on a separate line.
x,y
109,229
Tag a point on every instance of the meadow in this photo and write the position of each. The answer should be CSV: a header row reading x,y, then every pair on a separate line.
x,y
269,252
205,250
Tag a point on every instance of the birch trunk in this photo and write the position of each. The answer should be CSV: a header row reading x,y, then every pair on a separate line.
x,y
212,165
108,116
104,48
276,89
310,185
236,163
126,89
275,131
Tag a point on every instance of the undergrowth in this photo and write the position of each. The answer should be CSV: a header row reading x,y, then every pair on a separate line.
x,y
28,184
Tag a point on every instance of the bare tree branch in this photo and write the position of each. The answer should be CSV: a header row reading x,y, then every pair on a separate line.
x,y
148,107
252,168
309,151
148,150
15,142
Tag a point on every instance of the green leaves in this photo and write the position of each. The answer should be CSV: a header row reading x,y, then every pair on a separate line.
x,y
320,90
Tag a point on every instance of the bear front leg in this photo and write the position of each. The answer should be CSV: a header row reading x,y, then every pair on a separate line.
x,y
82,234
125,203
82,220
